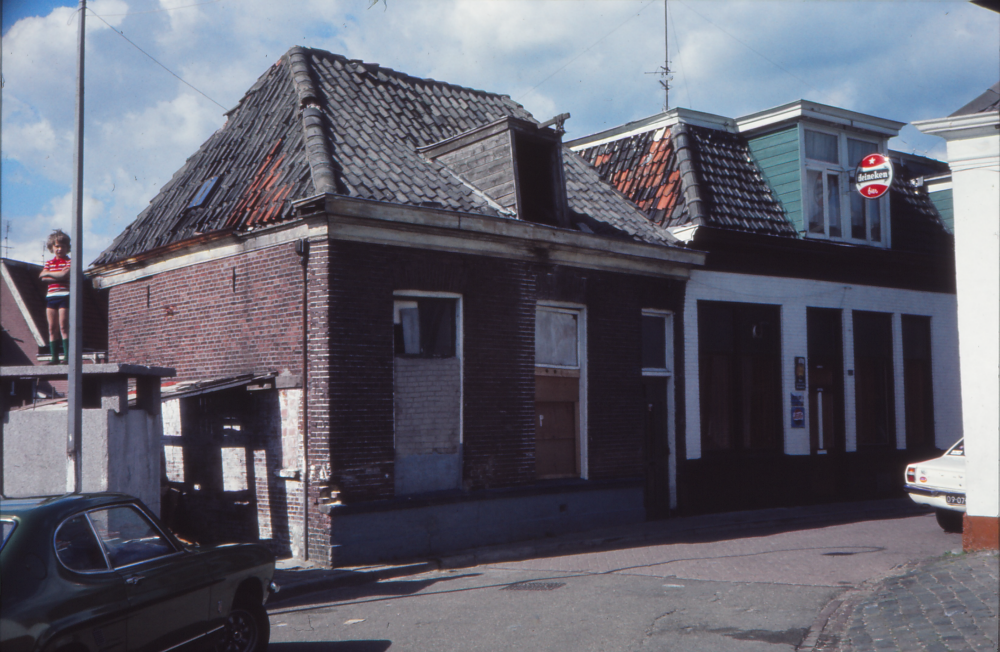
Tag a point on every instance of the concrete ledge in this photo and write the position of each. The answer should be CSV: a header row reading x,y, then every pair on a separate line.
x,y
60,370
435,530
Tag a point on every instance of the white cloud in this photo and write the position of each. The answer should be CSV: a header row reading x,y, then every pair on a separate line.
x,y
27,233
899,60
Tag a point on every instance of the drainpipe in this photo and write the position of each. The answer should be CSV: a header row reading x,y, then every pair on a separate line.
x,y
302,249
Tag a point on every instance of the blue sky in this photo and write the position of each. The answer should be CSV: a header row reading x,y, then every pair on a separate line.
x,y
904,60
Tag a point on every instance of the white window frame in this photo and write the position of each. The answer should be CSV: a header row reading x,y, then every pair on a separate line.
x,y
844,171
668,373
580,311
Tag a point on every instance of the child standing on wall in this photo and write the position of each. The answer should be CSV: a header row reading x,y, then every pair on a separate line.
x,y
56,274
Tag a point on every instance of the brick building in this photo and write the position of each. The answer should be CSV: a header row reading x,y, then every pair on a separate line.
x,y
404,319
820,337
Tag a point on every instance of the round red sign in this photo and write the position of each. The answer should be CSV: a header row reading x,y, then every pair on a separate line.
x,y
873,176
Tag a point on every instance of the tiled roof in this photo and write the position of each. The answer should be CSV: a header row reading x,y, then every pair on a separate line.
x,y
916,223
988,102
687,174
316,123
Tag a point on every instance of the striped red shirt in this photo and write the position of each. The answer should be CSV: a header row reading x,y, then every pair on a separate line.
x,y
59,289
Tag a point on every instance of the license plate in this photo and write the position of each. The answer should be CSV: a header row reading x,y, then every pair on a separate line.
x,y
952,499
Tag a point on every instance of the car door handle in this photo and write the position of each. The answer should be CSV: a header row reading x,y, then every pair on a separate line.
x,y
135,579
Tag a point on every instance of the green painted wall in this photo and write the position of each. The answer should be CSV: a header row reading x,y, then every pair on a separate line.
x,y
777,155
943,203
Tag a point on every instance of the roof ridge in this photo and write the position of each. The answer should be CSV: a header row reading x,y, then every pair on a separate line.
x,y
374,68
319,153
690,188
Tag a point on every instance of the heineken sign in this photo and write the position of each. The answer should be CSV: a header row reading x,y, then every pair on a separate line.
x,y
873,176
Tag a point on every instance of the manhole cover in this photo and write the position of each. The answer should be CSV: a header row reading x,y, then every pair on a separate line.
x,y
533,586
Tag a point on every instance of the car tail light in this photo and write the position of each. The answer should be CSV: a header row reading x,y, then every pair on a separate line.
x,y
911,474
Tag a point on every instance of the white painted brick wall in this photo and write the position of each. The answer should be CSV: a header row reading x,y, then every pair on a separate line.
x,y
794,296
426,401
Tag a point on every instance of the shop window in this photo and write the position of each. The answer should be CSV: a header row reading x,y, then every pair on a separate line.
x,y
424,327
739,361
873,379
833,209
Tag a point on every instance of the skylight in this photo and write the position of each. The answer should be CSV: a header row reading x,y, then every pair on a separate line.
x,y
203,193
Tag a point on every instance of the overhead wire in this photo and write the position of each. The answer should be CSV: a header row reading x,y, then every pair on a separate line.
x,y
582,52
165,9
153,59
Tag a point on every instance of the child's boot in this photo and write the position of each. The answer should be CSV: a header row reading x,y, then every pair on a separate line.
x,y
65,349
53,352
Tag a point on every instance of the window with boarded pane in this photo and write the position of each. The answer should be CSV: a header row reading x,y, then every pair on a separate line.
x,y
739,359
559,364
918,389
873,379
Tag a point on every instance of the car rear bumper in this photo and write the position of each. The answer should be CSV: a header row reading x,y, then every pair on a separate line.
x,y
936,498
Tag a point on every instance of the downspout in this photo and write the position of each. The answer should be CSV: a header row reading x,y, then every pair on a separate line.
x,y
302,249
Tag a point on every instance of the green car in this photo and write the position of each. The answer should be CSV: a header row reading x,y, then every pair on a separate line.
x,y
89,572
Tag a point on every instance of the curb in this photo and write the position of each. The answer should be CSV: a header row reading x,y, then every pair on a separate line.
x,y
291,587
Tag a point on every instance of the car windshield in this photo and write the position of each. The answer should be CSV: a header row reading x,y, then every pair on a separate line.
x,y
958,449
8,529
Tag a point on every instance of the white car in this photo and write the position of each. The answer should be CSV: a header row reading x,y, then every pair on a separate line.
x,y
940,483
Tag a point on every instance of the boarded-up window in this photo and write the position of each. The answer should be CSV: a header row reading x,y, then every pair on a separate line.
x,y
556,338
740,376
873,373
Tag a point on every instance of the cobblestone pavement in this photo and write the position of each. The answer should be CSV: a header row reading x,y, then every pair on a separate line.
x,y
944,604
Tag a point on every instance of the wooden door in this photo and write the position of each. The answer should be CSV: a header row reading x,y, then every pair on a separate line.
x,y
656,447
557,427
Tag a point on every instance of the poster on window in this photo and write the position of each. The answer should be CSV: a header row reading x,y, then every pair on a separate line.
x,y
798,411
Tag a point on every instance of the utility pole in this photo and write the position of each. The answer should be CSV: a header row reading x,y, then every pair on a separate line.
x,y
74,430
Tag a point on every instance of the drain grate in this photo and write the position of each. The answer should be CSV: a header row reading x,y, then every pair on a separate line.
x,y
534,586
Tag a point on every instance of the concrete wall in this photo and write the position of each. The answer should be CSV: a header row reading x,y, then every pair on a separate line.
x,y
976,173
120,452
425,531
974,157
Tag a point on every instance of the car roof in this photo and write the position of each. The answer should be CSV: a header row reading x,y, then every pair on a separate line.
x,y
59,506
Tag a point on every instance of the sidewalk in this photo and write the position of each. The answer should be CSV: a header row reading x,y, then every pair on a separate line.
x,y
298,579
941,604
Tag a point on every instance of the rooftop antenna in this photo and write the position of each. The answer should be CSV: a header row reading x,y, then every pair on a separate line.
x,y
6,240
664,70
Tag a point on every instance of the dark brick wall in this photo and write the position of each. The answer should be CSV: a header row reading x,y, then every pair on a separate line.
x,y
498,303
223,318
205,325
498,316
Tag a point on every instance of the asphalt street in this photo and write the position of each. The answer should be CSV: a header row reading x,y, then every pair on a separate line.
x,y
740,585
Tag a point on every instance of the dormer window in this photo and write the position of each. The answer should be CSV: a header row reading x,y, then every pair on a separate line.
x,y
832,208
